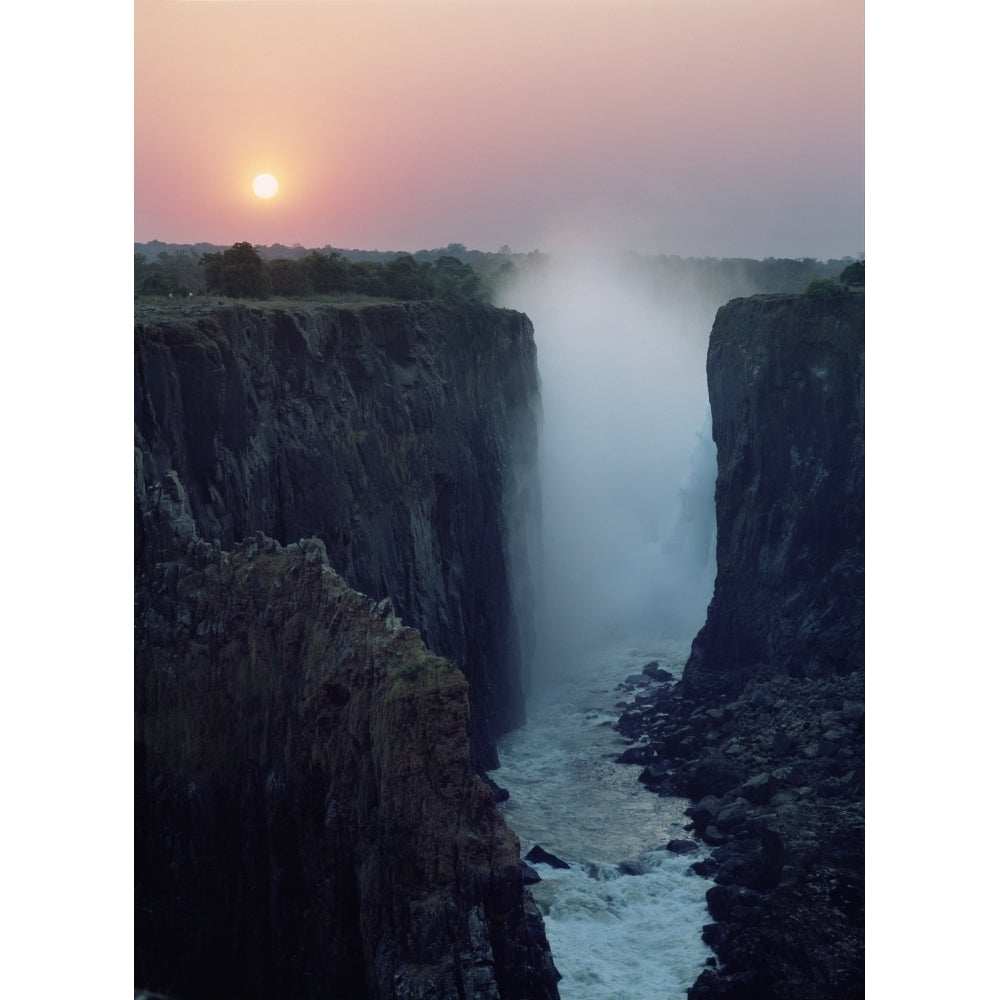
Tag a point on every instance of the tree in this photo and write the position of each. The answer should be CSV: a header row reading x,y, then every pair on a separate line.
x,y
854,274
289,277
238,272
406,279
327,272
455,280
824,288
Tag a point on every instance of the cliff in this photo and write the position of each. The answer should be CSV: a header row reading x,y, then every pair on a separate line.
x,y
309,821
786,389
402,436
765,731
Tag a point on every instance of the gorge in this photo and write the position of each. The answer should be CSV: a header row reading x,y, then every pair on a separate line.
x,y
337,532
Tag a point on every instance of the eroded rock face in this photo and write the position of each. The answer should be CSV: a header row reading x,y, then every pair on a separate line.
x,y
309,820
403,436
786,388
765,732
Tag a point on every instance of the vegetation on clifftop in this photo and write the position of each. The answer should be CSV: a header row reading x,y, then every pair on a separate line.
x,y
458,273
241,272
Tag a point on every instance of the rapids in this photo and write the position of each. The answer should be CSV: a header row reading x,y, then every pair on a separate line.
x,y
624,920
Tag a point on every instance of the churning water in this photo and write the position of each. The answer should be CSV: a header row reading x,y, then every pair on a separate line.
x,y
624,920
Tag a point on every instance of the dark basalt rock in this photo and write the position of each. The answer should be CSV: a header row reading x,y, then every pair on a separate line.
x,y
539,856
656,673
786,388
682,846
766,729
403,435
309,820
529,875
500,794
638,755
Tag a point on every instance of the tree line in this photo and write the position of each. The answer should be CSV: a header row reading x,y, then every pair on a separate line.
x,y
457,272
241,272
853,276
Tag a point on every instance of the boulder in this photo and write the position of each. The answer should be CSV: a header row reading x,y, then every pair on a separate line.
x,y
655,672
638,755
682,846
732,816
539,856
759,788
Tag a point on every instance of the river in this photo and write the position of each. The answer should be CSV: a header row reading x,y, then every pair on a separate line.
x,y
624,920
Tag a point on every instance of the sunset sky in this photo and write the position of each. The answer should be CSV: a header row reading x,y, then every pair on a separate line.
x,y
697,127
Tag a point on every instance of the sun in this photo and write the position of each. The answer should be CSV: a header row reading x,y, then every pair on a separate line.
x,y
265,186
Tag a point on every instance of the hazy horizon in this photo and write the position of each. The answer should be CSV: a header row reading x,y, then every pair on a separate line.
x,y
675,127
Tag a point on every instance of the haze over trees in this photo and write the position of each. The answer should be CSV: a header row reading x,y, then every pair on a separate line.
x,y
452,272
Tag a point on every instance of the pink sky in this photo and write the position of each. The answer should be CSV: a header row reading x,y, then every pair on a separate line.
x,y
697,127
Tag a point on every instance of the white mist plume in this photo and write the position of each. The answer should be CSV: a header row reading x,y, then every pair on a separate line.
x,y
627,461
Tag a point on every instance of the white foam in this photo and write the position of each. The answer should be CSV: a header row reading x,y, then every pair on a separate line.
x,y
613,935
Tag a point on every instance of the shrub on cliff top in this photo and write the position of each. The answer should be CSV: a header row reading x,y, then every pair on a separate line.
x,y
854,274
824,288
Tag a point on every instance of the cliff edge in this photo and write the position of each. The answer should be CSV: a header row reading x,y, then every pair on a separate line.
x,y
786,390
765,731
403,436
309,820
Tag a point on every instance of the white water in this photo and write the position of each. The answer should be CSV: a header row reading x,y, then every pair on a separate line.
x,y
627,468
613,936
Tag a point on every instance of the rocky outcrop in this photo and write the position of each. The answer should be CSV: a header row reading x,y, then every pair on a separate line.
x,y
401,435
765,731
309,820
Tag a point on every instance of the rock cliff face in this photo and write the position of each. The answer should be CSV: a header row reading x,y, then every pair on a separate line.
x,y
403,436
309,821
786,388
766,729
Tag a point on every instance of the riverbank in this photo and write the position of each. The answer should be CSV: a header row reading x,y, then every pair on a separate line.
x,y
776,775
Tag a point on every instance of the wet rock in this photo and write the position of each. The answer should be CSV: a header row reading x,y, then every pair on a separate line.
x,y
539,856
704,812
682,846
655,774
723,899
499,794
528,874
638,755
712,776
634,681
732,816
759,788
655,672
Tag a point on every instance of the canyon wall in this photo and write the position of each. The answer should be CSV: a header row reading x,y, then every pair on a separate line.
x,y
765,730
402,436
786,389
332,506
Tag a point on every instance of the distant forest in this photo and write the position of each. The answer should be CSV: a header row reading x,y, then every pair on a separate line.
x,y
451,272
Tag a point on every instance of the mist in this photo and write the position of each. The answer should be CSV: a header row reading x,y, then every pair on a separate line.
x,y
627,462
